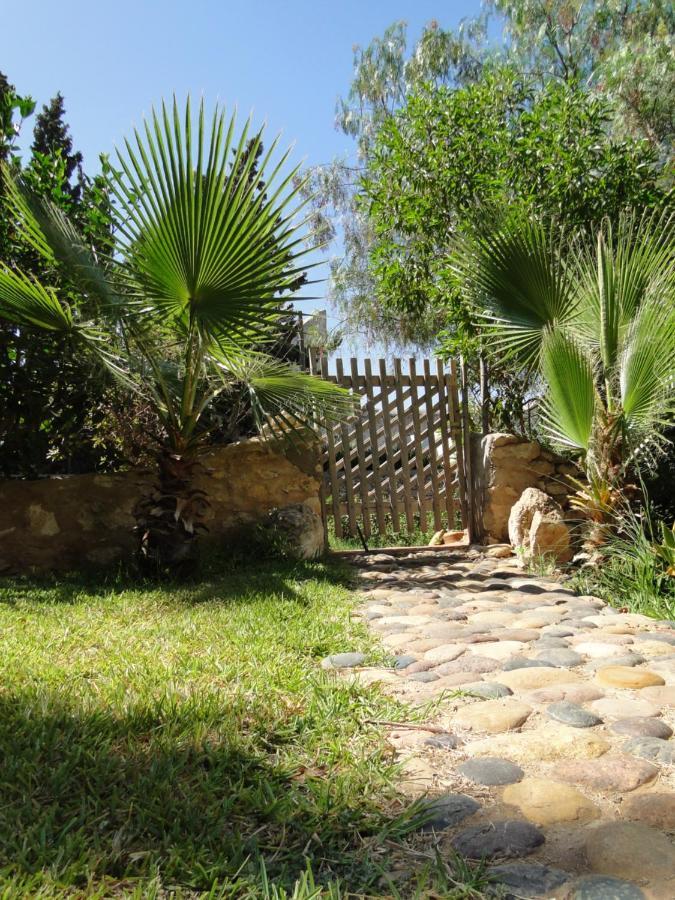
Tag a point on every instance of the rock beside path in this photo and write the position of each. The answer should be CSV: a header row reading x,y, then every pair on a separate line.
x,y
573,714
628,677
448,810
643,726
657,810
491,771
652,748
343,661
529,880
614,773
602,887
546,802
493,716
631,851
505,839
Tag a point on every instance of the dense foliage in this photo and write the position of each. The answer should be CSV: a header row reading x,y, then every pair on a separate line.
x,y
595,319
609,63
180,313
59,412
449,156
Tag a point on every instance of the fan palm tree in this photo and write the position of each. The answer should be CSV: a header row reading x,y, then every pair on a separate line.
x,y
596,319
181,309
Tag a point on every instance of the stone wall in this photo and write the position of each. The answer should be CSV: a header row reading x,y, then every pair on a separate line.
x,y
503,466
70,522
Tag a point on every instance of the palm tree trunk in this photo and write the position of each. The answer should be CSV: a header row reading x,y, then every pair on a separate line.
x,y
169,519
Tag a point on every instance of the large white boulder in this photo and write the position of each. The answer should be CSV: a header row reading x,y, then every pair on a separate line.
x,y
549,536
537,527
532,500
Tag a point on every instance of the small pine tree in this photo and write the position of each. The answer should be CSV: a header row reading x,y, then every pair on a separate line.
x,y
51,137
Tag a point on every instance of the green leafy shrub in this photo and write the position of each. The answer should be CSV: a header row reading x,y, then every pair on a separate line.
x,y
637,569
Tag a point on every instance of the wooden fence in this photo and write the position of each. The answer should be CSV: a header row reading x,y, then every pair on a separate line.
x,y
400,462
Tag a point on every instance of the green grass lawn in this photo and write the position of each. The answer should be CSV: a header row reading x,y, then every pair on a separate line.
x,y
183,741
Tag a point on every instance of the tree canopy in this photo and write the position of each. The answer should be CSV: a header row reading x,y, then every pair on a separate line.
x,y
450,157
610,66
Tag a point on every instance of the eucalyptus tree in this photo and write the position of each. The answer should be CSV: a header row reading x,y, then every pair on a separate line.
x,y
183,307
612,58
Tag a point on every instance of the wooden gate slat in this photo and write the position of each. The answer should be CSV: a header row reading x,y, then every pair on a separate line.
x,y
361,455
431,439
377,483
445,440
391,470
334,485
346,454
403,445
459,443
419,454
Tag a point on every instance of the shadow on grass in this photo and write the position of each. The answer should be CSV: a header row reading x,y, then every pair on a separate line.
x,y
175,795
221,579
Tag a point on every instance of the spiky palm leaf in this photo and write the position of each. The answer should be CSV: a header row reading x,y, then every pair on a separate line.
x,y
632,262
646,370
512,276
599,320
204,245
194,287
570,403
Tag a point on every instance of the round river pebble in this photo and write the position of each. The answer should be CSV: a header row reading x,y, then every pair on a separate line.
x,y
571,714
447,811
505,839
643,726
528,879
491,771
652,748
488,690
602,887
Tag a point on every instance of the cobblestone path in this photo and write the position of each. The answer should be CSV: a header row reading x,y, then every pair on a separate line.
x,y
552,752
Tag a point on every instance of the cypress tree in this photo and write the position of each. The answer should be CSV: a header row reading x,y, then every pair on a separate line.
x,y
51,137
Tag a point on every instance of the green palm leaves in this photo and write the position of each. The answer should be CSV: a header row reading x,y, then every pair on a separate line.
x,y
208,240
512,275
597,320
205,244
571,402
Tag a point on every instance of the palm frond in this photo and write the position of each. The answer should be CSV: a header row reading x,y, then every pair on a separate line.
x,y
24,301
286,401
516,281
629,264
570,402
647,369
53,235
204,242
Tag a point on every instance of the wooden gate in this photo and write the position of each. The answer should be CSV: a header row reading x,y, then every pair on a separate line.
x,y
401,462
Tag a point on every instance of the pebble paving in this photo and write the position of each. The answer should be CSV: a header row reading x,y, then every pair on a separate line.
x,y
550,752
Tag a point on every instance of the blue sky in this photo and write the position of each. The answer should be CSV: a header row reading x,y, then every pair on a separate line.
x,y
286,61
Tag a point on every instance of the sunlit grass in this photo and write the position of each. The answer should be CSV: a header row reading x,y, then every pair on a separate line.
x,y
185,738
